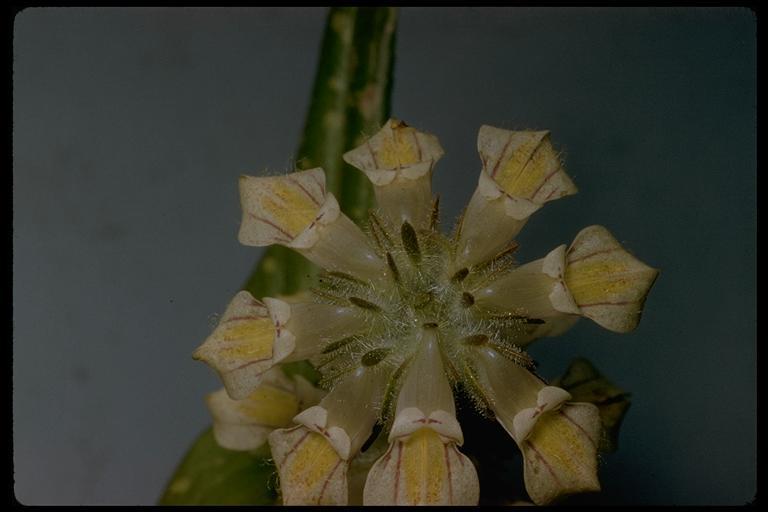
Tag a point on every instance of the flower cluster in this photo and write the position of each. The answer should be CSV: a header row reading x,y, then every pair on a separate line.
x,y
404,316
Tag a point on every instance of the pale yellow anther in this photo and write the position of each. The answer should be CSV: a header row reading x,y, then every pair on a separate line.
x,y
311,472
607,283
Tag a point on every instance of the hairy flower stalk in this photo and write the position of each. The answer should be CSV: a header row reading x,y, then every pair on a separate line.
x,y
404,315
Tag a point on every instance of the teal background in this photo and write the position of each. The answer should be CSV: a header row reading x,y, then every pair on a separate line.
x,y
131,126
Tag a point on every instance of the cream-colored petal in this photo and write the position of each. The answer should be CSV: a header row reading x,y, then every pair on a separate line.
x,y
422,469
561,453
411,419
277,209
521,172
397,150
549,398
339,245
524,164
399,160
406,200
311,472
607,283
314,324
244,345
525,291
295,211
488,224
353,405
558,441
535,290
316,419
509,387
244,424
347,414
425,386
307,392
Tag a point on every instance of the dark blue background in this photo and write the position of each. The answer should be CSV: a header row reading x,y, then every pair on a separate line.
x,y
131,127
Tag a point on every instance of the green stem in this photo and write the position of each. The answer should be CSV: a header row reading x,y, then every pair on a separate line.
x,y
350,98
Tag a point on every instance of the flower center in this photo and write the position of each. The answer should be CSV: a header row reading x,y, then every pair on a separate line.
x,y
420,291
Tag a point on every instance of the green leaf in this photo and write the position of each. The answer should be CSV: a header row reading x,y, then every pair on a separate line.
x,y
212,475
585,384
350,98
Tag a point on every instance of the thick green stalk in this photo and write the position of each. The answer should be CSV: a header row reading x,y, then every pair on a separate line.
x,y
350,97
369,101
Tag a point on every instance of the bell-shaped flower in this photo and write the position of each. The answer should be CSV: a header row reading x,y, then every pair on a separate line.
x,y
560,452
313,458
595,277
558,439
607,283
399,160
244,424
247,342
423,465
521,172
253,336
296,211
311,470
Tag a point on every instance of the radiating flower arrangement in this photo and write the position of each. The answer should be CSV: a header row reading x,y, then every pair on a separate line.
x,y
405,316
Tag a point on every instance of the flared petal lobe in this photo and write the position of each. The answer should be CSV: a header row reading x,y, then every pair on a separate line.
x,y
524,165
423,465
277,209
246,343
295,210
245,424
423,468
311,471
607,283
595,277
314,457
561,453
399,160
521,172
558,439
